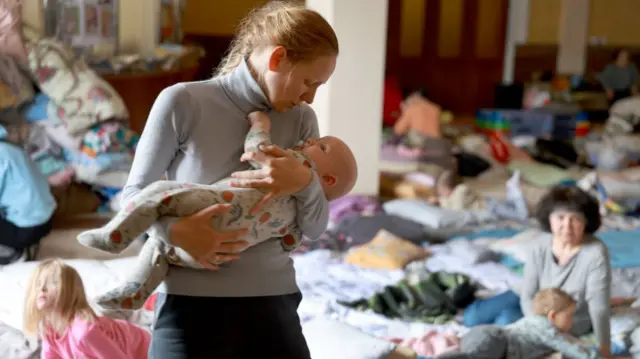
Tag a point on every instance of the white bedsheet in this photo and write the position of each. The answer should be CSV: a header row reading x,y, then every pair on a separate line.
x,y
323,279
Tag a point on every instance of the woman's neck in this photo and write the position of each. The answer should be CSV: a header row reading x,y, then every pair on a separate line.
x,y
564,250
256,71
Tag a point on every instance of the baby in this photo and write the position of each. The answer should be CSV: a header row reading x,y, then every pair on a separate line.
x,y
452,194
329,157
531,337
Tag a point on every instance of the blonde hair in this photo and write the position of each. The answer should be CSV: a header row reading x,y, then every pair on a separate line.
x,y
303,32
551,299
69,303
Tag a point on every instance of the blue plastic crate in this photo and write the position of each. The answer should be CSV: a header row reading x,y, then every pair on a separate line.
x,y
516,122
565,125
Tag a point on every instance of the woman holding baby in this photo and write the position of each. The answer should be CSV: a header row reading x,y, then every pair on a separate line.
x,y
195,133
569,258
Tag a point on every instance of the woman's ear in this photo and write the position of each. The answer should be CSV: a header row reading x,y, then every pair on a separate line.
x,y
330,180
277,58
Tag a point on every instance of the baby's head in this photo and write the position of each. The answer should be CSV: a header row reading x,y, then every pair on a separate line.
x,y
335,164
446,183
557,306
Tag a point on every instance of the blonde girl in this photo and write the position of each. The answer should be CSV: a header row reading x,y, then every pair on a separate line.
x,y
195,133
57,311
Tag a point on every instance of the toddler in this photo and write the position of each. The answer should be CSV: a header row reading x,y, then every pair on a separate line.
x,y
531,337
57,311
451,193
329,157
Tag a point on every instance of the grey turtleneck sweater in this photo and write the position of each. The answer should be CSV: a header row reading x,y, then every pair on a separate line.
x,y
195,133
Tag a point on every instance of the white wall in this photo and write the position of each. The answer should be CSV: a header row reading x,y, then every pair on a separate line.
x,y
349,106
517,32
572,36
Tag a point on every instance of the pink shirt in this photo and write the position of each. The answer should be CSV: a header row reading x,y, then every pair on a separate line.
x,y
105,338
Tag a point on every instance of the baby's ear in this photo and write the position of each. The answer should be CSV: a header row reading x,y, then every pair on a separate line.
x,y
330,180
551,315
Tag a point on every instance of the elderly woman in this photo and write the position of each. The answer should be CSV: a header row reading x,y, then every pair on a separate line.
x,y
570,258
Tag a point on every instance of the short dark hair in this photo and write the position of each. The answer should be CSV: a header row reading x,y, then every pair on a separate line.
x,y
573,199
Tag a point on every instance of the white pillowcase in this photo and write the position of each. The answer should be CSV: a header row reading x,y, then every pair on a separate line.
x,y
330,339
434,217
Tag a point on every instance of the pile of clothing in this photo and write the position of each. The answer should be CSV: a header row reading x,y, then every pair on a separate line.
x,y
70,121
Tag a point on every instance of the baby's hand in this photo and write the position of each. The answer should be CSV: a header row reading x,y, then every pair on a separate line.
x,y
261,119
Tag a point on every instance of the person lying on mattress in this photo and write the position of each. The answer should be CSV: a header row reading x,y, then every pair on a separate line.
x,y
452,194
57,311
328,156
569,258
532,337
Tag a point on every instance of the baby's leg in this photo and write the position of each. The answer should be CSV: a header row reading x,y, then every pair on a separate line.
x,y
149,272
163,199
484,342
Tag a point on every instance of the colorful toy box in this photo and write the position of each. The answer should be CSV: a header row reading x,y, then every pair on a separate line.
x,y
534,122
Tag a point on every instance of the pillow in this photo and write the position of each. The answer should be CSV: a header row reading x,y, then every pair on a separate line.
x,y
434,217
539,174
10,35
386,251
15,86
82,98
518,246
15,345
330,339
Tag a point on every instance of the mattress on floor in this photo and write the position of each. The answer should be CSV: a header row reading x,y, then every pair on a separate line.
x,y
323,278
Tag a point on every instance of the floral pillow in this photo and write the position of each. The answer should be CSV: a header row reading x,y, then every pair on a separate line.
x,y
15,86
10,36
82,98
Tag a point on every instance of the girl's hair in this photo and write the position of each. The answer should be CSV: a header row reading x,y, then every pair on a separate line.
x,y
70,301
551,299
303,32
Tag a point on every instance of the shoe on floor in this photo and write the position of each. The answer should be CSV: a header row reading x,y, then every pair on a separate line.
x,y
10,255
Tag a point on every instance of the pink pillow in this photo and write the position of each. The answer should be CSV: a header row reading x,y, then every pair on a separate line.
x,y
10,32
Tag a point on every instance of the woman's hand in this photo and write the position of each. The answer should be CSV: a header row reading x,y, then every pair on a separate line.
x,y
195,235
281,174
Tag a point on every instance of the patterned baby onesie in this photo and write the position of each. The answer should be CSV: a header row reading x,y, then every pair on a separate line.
x,y
175,199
